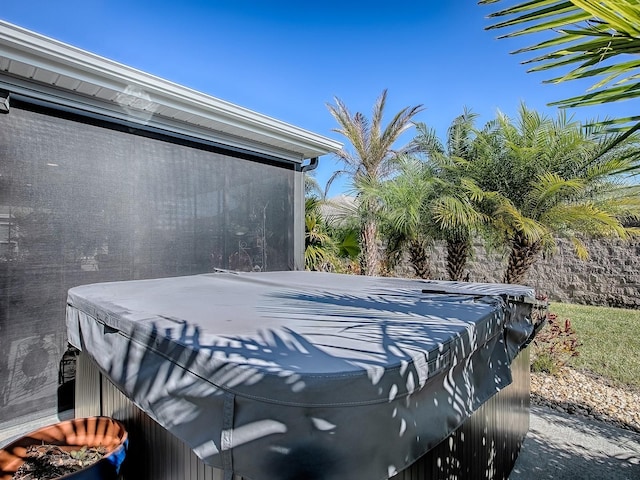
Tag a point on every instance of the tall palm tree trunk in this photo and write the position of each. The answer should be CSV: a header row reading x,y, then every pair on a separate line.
x,y
523,255
457,255
419,258
370,257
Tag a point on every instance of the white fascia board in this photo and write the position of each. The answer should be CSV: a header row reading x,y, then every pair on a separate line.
x,y
24,90
51,55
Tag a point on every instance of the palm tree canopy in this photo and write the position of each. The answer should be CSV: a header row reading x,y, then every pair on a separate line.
x,y
592,38
402,200
551,177
373,146
453,196
371,161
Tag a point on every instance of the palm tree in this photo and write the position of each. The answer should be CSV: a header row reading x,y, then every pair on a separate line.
x,y
591,38
454,198
403,215
320,252
432,198
553,177
311,186
371,160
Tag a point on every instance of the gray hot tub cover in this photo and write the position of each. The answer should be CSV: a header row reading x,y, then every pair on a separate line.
x,y
295,375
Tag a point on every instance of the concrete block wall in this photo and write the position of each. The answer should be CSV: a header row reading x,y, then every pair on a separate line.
x,y
611,276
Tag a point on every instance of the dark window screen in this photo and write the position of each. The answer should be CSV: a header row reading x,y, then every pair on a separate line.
x,y
82,203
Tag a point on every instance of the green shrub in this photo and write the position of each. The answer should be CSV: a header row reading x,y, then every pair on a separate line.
x,y
544,363
554,345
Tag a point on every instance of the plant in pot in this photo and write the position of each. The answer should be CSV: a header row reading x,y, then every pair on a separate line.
x,y
80,449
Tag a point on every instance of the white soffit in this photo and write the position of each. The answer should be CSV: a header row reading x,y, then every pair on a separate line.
x,y
40,66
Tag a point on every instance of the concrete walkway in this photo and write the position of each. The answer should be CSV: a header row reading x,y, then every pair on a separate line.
x,y
561,446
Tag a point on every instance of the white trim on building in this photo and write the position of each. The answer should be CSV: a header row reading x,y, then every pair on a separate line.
x,y
45,69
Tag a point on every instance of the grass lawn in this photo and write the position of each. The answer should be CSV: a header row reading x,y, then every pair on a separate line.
x,y
610,339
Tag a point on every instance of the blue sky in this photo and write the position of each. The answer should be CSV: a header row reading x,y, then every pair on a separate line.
x,y
288,59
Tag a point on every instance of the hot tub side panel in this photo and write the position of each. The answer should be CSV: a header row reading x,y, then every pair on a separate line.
x,y
486,446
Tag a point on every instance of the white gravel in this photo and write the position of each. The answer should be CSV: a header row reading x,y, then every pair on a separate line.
x,y
587,395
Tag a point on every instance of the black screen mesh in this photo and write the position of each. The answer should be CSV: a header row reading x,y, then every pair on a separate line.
x,y
83,203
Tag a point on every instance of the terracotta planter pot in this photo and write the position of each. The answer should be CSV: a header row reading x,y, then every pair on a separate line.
x,y
76,433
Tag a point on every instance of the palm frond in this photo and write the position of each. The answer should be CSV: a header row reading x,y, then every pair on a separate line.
x,y
590,37
373,146
427,141
455,213
320,248
400,123
586,218
549,189
511,220
622,202
459,134
350,126
580,248
335,175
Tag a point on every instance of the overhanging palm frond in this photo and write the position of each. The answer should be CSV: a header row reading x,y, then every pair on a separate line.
x,y
592,38
580,248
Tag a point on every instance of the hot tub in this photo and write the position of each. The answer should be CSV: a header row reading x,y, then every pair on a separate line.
x,y
305,375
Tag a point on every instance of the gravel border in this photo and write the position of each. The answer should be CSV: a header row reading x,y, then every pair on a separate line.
x,y
587,395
